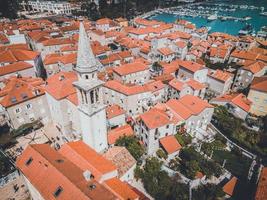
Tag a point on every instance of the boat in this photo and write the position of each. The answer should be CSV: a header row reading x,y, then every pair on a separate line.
x,y
212,17
246,30
247,18
262,33
224,18
263,14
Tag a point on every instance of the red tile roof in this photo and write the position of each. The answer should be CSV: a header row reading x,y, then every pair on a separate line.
x,y
166,51
199,175
125,89
114,111
177,84
60,85
18,90
229,187
73,98
239,100
259,84
15,55
170,144
3,39
14,67
261,193
121,189
220,75
58,41
218,52
48,170
154,86
187,106
114,134
120,157
87,158
255,67
246,55
155,118
130,68
191,66
195,104
195,85
15,46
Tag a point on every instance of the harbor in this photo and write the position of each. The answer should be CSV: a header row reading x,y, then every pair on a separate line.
x,y
221,16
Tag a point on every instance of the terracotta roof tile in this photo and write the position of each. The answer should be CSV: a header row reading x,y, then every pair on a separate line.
x,y
73,98
118,132
14,55
130,68
195,85
170,144
259,84
165,51
239,100
220,75
125,89
60,85
120,157
155,118
14,67
229,187
188,105
255,67
191,66
121,189
261,193
87,159
114,111
18,90
48,170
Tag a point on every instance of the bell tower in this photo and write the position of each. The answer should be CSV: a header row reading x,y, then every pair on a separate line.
x,y
89,91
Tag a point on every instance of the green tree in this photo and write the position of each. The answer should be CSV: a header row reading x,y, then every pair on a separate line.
x,y
207,192
157,67
161,154
9,8
159,185
132,145
90,10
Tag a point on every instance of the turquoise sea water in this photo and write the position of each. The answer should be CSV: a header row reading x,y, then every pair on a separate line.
x,y
229,26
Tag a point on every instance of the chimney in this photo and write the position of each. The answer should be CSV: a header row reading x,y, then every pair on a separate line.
x,y
87,175
61,77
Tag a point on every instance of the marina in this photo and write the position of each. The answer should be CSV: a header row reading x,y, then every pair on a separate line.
x,y
219,15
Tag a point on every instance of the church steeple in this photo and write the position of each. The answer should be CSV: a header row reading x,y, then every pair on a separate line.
x,y
86,61
89,92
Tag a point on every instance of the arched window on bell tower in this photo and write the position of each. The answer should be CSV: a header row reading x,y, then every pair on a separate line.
x,y
97,95
92,96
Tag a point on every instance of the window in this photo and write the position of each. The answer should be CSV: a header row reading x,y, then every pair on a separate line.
x,y
29,161
86,77
18,110
29,106
167,126
92,96
256,99
58,191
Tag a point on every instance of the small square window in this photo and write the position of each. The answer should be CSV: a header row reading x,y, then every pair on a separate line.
x,y
58,191
29,161
29,106
18,110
